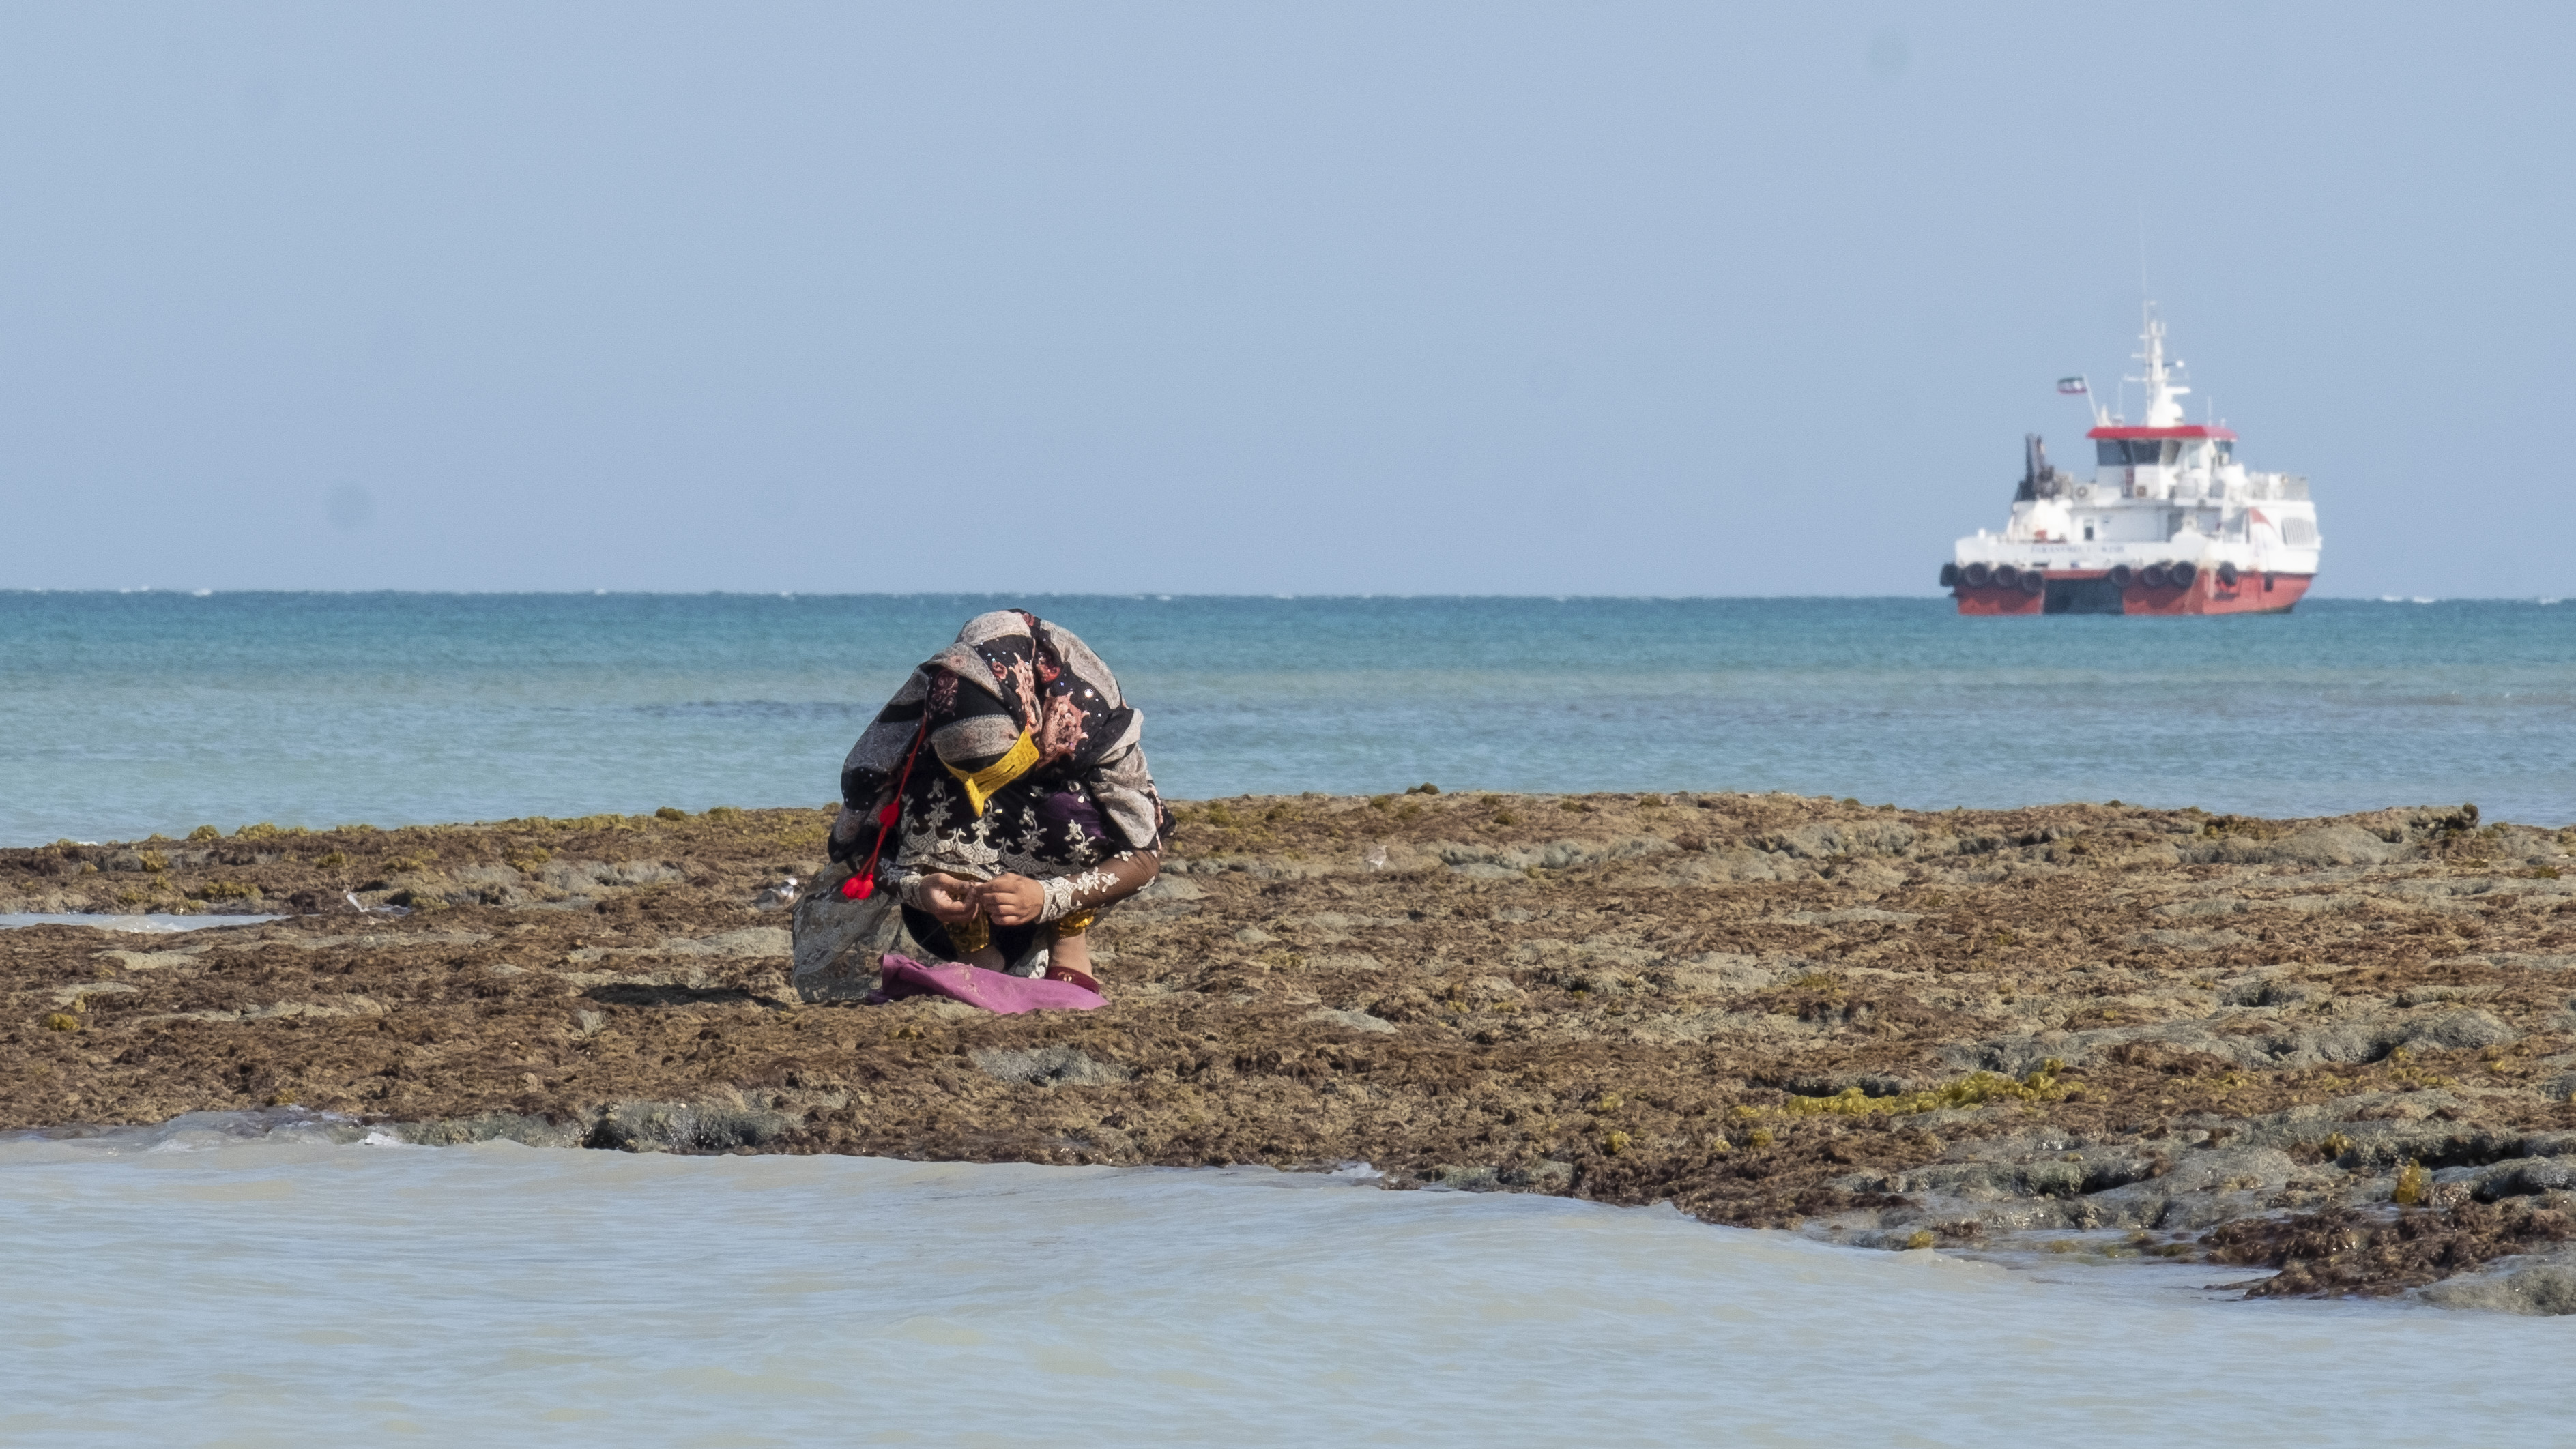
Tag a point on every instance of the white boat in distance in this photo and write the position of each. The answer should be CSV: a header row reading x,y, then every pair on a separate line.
x,y
2171,523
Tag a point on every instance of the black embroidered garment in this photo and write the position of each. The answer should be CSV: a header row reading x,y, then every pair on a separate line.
x,y
1030,764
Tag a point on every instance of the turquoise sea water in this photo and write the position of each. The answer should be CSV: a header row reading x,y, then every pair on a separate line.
x,y
125,714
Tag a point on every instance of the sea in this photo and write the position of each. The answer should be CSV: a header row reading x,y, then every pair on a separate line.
x,y
282,1278
123,715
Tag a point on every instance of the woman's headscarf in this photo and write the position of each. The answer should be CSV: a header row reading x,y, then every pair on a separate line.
x,y
1015,696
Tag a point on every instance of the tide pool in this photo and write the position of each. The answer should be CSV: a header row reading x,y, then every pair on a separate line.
x,y
191,1285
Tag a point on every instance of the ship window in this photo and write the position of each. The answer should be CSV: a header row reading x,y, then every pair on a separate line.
x,y
2226,451
2133,452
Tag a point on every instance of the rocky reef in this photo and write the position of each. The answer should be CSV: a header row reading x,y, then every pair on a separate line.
x,y
2339,1049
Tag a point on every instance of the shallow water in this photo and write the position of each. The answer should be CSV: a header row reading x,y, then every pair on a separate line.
x,y
145,924
121,715
183,1286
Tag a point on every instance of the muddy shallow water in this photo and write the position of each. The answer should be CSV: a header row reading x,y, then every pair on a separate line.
x,y
2338,1048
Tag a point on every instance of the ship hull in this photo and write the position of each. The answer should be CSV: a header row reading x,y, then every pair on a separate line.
x,y
2090,591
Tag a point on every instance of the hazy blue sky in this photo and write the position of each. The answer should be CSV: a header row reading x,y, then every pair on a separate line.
x,y
1219,298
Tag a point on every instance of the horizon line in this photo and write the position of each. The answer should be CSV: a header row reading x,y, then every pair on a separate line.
x,y
1156,596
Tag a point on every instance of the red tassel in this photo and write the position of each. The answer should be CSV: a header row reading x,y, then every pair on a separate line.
x,y
864,884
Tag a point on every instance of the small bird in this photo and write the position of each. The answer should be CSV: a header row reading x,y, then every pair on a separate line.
x,y
779,895
1376,857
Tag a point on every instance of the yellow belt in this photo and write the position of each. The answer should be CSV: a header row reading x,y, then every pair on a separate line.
x,y
984,784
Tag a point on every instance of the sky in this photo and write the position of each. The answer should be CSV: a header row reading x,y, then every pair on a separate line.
x,y
1295,298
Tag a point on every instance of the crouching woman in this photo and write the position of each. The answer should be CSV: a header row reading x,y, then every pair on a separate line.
x,y
1002,796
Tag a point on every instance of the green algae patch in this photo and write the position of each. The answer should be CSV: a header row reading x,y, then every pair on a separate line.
x,y
2414,1186
1974,1090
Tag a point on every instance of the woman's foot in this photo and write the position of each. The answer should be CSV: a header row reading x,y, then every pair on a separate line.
x,y
1070,960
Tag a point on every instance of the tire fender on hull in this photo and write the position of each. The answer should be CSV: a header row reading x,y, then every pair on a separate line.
x,y
2166,596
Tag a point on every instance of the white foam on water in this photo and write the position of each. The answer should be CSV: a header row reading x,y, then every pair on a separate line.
x,y
290,1288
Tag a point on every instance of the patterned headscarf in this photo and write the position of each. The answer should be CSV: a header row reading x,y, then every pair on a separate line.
x,y
1012,697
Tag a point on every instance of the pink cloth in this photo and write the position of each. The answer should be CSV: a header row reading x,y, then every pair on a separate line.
x,y
902,976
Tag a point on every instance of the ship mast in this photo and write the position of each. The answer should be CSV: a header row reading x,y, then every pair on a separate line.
x,y
2164,405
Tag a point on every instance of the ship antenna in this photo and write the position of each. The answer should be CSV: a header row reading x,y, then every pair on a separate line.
x,y
2144,291
2147,315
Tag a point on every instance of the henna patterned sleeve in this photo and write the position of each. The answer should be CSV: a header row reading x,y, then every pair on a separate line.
x,y
905,884
1116,878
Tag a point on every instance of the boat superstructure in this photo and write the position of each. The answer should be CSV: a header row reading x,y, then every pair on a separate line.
x,y
2170,523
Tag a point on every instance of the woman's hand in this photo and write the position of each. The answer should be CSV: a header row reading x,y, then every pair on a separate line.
x,y
1011,900
952,900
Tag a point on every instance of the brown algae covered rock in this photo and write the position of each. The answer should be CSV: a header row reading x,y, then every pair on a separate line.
x,y
2088,1029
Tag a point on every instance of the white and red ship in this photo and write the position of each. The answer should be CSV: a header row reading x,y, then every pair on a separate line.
x,y
2170,523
